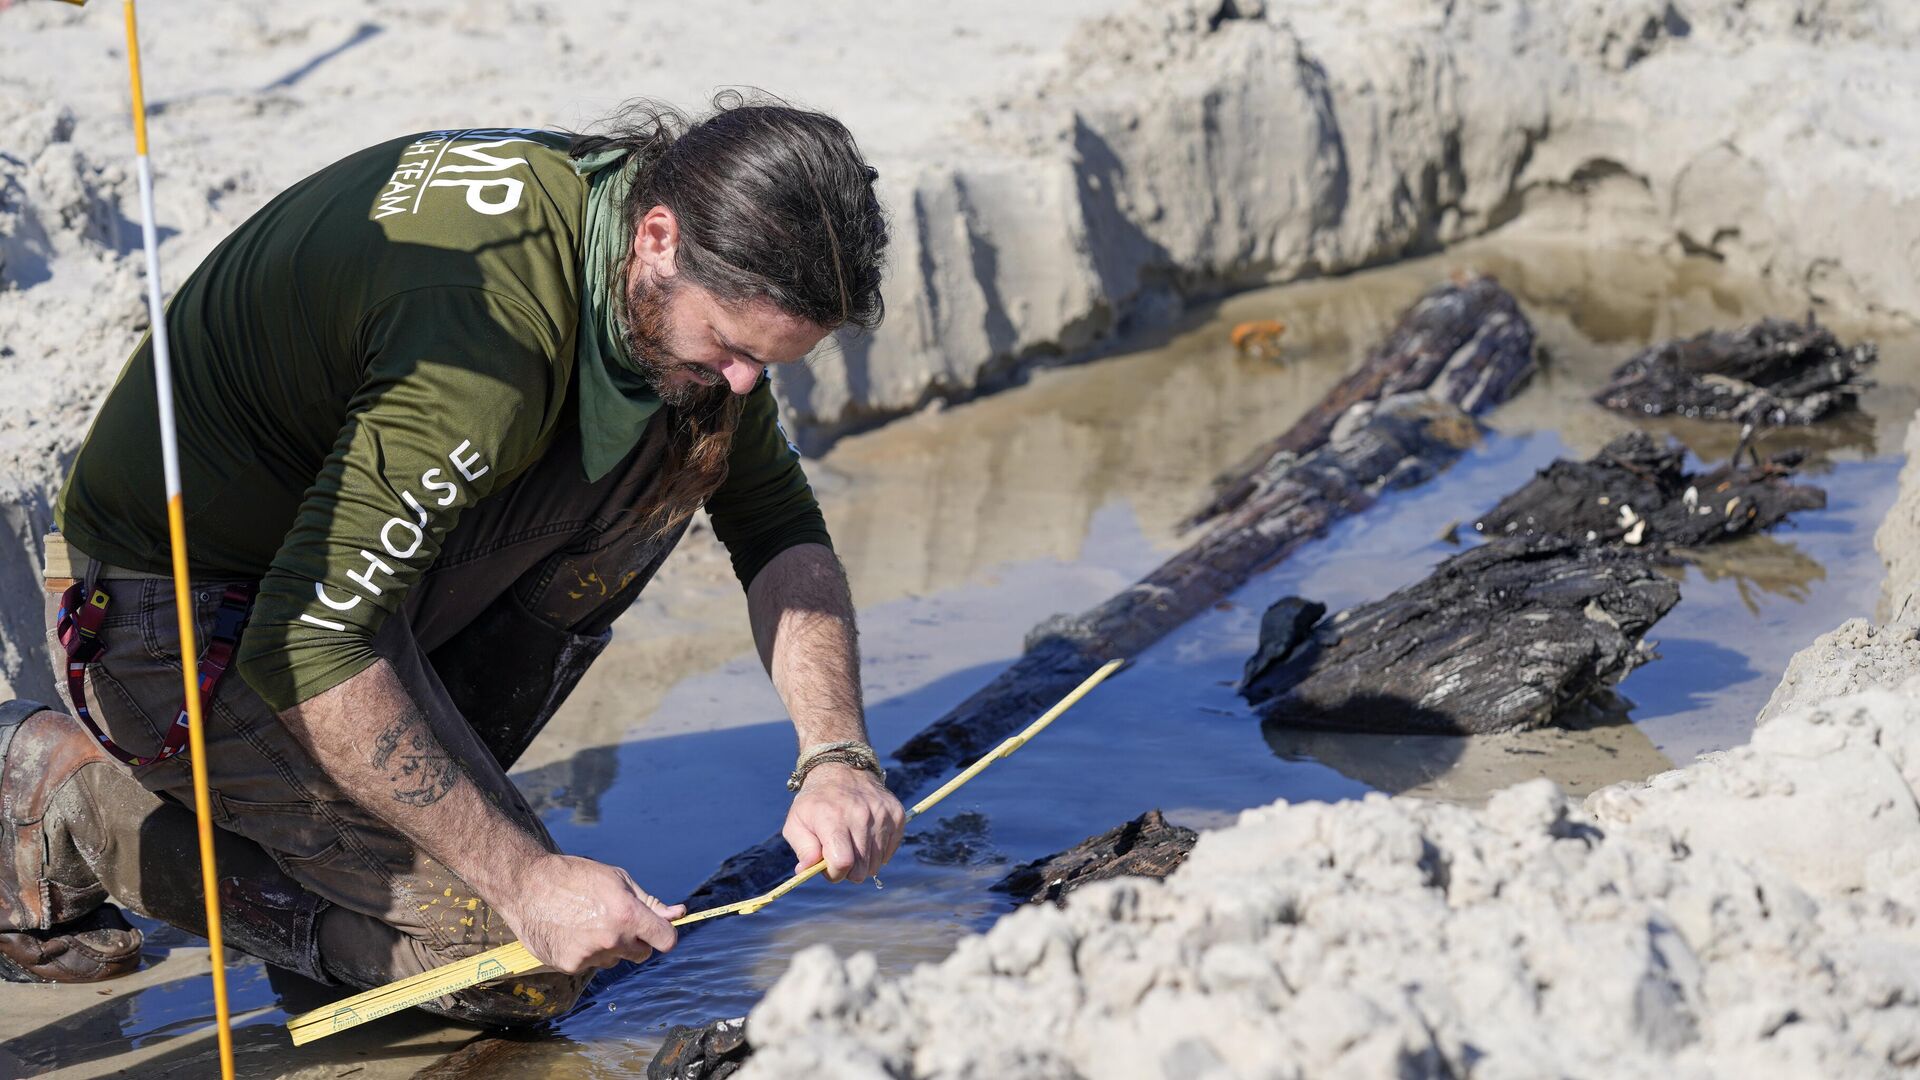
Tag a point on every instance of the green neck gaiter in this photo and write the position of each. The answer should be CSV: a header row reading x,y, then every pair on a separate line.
x,y
616,401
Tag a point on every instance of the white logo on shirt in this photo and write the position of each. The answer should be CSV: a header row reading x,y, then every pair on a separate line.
x,y
401,537
470,161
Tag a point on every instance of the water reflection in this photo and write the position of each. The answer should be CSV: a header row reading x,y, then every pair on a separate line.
x,y
1757,566
1849,435
1600,746
573,785
167,1012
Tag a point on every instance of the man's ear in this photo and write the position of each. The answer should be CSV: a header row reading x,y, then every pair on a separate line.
x,y
656,243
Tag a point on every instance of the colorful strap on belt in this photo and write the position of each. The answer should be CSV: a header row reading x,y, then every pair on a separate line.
x,y
83,610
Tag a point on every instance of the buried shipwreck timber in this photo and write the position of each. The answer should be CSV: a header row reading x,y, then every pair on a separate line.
x,y
1148,846
1289,500
1439,345
1509,636
1499,638
712,1051
1774,372
1637,492
1369,447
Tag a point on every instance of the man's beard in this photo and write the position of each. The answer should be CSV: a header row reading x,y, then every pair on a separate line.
x,y
700,417
652,355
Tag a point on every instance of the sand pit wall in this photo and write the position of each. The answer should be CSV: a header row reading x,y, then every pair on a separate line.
x,y
60,346
1184,149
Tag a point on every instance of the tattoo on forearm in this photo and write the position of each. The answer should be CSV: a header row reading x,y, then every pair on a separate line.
x,y
420,769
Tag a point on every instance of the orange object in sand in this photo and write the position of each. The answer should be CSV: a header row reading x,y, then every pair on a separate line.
x,y
1261,337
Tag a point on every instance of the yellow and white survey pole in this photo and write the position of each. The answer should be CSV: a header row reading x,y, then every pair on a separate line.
x,y
177,532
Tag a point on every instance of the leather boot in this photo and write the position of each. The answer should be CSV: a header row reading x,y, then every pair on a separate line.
x,y
49,931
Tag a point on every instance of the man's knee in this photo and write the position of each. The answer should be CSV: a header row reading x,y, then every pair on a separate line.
x,y
506,1000
359,950
518,1000
509,1001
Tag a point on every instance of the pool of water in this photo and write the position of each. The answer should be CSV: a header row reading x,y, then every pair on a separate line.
x,y
964,528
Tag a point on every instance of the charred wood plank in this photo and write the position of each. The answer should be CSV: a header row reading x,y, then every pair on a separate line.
x,y
1434,658
1456,340
710,1051
1287,623
1499,638
1637,492
1148,846
1774,372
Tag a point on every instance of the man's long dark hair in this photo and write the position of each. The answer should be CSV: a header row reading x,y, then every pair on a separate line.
x,y
773,203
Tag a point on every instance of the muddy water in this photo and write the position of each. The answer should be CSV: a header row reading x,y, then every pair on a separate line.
x,y
964,527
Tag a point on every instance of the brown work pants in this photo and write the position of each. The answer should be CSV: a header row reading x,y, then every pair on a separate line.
x,y
517,604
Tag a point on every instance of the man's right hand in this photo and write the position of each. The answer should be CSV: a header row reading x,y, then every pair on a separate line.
x,y
574,914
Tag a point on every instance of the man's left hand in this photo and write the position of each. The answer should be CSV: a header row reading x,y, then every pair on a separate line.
x,y
847,817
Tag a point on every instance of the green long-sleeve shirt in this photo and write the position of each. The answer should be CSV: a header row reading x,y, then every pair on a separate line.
x,y
383,345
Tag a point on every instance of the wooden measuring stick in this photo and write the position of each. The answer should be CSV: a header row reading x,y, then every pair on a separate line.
x,y
514,959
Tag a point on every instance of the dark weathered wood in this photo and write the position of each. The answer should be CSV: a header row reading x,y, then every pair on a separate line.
x,y
1498,638
1634,480
1286,623
711,1051
1445,341
1773,372
1440,656
1147,846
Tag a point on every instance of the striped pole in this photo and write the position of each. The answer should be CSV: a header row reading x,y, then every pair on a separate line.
x,y
177,531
